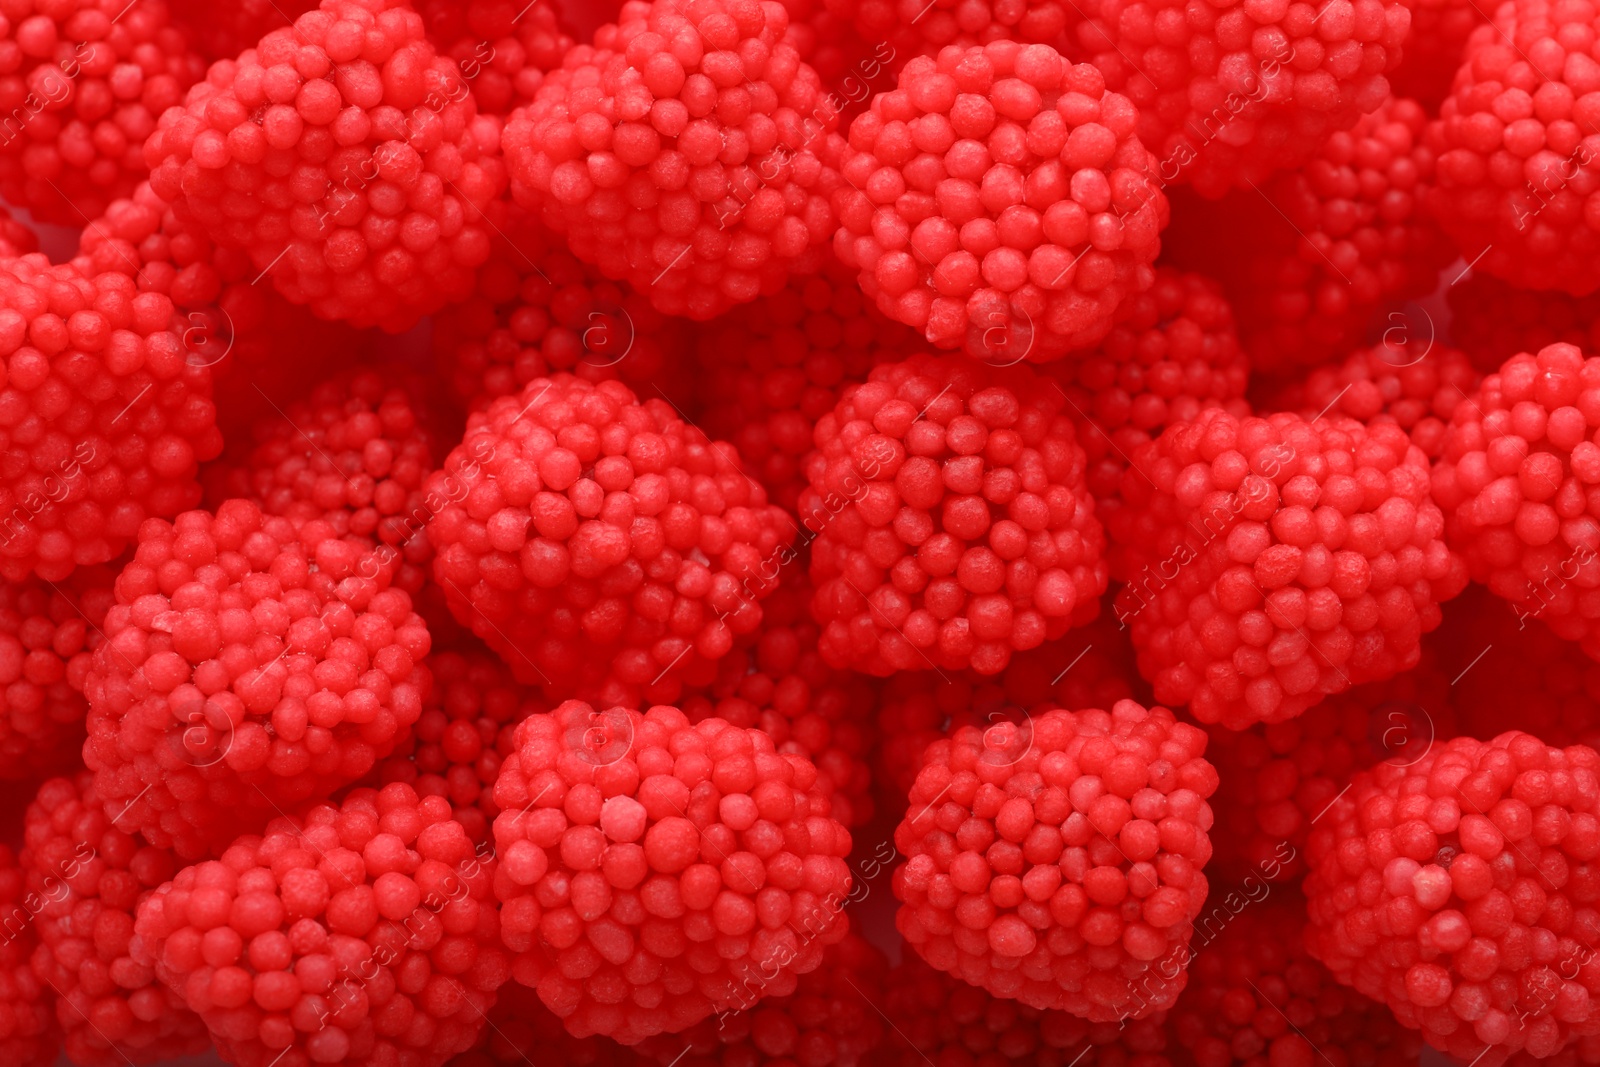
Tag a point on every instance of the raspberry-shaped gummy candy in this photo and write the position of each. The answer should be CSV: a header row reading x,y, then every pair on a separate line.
x,y
774,367
346,157
246,668
463,735
581,526
1256,997
1513,480
939,1019
1312,257
780,684
89,877
85,83
952,523
654,872
1518,152
537,309
503,48
1000,202
1417,385
362,933
355,453
830,1020
1474,916
1058,863
48,634
109,417
1279,561
685,153
1234,93
1172,353
28,1034
1492,321
921,28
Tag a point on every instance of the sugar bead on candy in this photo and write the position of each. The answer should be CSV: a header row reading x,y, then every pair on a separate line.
x,y
655,872
999,201
86,82
950,521
774,367
1417,384
48,635
1279,561
463,735
779,683
361,933
536,309
1256,997
1466,860
1240,93
1517,149
940,1019
687,152
356,453
1512,481
89,877
1318,260
580,526
28,1034
108,415
248,666
910,28
356,174
503,49
1091,667
830,1020
1172,353
1058,863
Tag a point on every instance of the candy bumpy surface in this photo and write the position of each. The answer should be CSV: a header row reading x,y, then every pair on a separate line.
x,y
654,872
1059,862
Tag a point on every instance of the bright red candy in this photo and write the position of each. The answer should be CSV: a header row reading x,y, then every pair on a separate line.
x,y
1474,916
1492,321
1280,561
520,1030
91,875
1058,863
1518,150
653,872
504,47
85,83
921,28
222,31
346,157
686,152
1513,481
1000,202
28,1034
107,417
951,522
1235,93
48,634
579,526
248,666
1257,998
362,933
942,1020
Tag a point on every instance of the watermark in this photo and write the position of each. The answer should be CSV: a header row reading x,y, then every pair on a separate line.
x,y
55,488
53,890
209,336
49,91
398,531
1551,183
1552,584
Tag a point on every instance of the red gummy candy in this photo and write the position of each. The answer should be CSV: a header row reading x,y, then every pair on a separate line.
x,y
246,668
723,854
1000,202
951,522
504,47
1059,862
28,1034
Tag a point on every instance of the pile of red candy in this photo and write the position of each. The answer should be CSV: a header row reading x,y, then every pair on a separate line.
x,y
821,533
